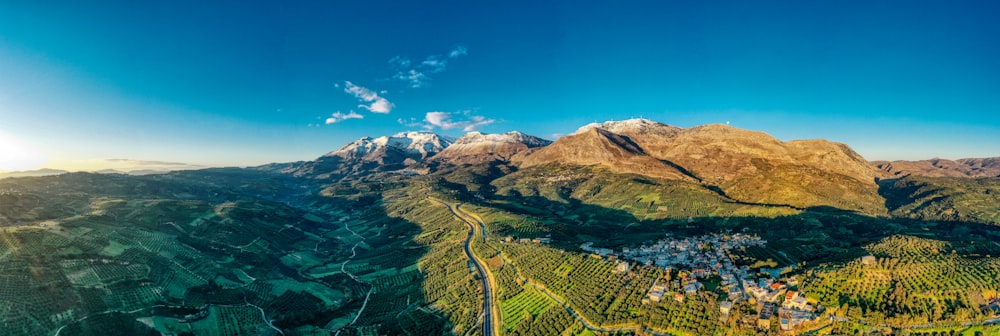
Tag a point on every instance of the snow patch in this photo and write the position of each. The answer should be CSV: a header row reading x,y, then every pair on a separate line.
x,y
638,124
417,143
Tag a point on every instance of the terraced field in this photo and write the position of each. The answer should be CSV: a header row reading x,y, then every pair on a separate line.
x,y
915,282
526,305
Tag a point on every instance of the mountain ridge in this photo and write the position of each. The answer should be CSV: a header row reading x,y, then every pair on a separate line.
x,y
936,167
745,165
740,165
367,154
477,147
597,146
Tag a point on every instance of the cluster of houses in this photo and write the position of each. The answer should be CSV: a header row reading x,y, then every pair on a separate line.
x,y
793,309
509,239
994,305
698,258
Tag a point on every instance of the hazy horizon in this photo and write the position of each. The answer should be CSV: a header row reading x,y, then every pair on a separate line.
x,y
128,165
215,85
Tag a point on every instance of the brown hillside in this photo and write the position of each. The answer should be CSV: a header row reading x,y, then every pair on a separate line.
x,y
747,166
986,167
599,147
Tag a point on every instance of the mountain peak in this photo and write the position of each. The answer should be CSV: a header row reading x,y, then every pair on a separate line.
x,y
597,146
367,154
938,167
419,143
476,147
509,137
625,126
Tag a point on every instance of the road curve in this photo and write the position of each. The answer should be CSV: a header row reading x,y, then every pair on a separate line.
x,y
586,323
475,223
489,327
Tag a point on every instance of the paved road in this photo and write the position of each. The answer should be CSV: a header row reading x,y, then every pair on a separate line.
x,y
586,323
489,327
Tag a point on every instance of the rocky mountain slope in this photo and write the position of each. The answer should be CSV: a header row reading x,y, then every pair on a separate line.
x,y
985,167
597,146
385,153
732,165
476,147
747,166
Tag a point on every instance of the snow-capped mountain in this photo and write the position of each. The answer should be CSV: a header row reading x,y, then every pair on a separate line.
x,y
630,127
481,139
422,144
475,147
366,155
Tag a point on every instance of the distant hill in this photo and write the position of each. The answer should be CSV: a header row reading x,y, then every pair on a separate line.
x,y
30,173
110,171
50,172
985,167
944,198
140,172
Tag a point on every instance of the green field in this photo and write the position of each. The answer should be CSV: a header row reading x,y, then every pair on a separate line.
x,y
526,305
208,253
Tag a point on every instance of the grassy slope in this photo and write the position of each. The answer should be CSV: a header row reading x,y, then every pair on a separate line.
x,y
642,197
944,198
216,238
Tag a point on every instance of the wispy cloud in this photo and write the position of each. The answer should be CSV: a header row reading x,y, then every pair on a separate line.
x,y
400,61
339,116
411,122
434,64
448,120
416,78
458,51
376,103
417,73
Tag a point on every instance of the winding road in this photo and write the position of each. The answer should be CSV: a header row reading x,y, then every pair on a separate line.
x,y
465,216
491,319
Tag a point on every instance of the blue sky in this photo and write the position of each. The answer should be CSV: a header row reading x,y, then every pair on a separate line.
x,y
250,83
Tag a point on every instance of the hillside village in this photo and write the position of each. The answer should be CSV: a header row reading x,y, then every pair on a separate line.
x,y
699,260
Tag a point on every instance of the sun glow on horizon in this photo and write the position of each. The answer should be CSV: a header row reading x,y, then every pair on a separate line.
x,y
123,165
16,154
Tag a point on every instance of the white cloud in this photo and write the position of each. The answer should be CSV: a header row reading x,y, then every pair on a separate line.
x,y
411,122
377,104
458,51
417,74
416,78
400,61
445,121
434,64
338,117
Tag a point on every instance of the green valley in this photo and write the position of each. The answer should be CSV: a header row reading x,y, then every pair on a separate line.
x,y
474,244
